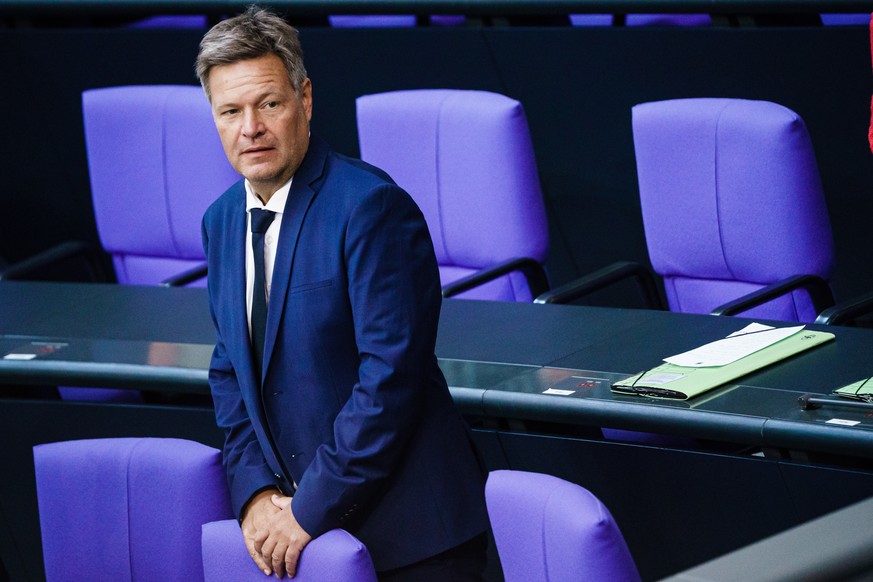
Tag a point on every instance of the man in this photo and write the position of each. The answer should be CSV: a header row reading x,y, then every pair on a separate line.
x,y
346,409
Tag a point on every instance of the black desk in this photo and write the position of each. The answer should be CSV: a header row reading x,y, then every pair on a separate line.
x,y
607,344
747,461
498,358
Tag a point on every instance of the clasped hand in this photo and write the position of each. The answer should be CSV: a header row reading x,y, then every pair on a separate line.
x,y
273,537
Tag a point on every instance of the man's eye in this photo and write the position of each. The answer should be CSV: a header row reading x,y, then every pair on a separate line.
x,y
228,112
272,104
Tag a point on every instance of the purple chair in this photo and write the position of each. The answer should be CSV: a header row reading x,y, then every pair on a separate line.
x,y
733,209
550,530
853,19
732,202
156,163
466,158
127,508
172,21
591,19
668,20
335,556
392,20
641,20
371,20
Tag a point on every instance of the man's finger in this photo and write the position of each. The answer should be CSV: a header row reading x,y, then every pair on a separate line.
x,y
278,559
267,549
280,501
258,540
292,556
256,557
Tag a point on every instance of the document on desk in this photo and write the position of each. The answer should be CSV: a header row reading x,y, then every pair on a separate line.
x,y
699,370
739,344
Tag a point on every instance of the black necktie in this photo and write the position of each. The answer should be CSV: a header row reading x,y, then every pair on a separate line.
x,y
261,220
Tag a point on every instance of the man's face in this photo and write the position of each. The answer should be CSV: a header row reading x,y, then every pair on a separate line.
x,y
262,121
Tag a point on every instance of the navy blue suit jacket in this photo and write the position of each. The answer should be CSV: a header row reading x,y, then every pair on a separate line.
x,y
352,405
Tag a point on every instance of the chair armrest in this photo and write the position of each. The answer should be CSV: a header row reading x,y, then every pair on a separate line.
x,y
605,277
185,277
846,311
818,289
532,270
34,267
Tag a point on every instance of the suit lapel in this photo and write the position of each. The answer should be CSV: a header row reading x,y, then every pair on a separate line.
x,y
238,305
299,200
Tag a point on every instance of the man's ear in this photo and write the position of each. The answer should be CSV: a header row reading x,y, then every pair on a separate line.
x,y
306,97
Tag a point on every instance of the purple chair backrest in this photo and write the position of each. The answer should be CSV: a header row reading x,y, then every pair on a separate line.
x,y
854,19
731,202
371,20
550,530
668,20
392,20
172,21
466,158
335,556
156,163
127,508
642,20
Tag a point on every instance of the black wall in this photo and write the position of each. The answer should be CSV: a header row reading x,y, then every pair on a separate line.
x,y
577,86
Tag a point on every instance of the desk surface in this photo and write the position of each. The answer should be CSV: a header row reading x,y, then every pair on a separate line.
x,y
499,358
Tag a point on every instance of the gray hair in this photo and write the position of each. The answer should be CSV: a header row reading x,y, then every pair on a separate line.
x,y
255,33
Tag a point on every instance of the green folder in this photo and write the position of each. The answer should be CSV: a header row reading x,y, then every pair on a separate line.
x,y
860,390
681,382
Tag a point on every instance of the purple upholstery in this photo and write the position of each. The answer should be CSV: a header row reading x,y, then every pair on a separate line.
x,y
855,19
127,509
550,530
392,20
642,20
447,19
731,201
119,395
467,160
336,556
668,20
156,163
591,19
172,21
371,20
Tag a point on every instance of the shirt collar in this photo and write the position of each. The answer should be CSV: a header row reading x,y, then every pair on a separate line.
x,y
276,202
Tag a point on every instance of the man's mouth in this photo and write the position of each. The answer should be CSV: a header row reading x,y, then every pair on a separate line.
x,y
256,150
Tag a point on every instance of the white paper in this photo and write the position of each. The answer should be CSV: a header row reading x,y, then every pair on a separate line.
x,y
739,344
559,392
843,422
751,328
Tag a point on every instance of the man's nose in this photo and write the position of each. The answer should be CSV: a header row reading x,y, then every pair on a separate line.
x,y
252,125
